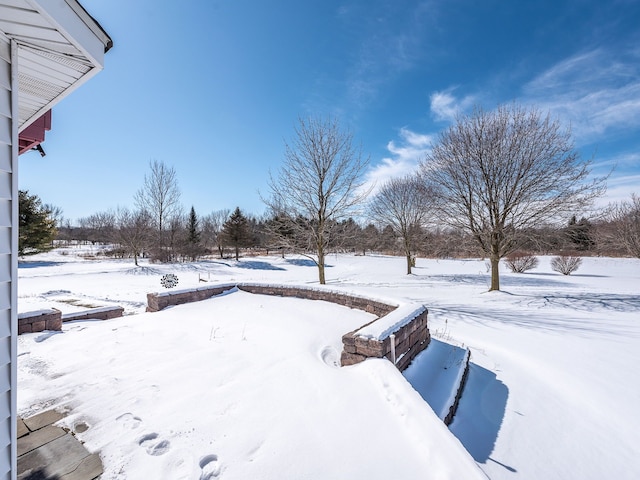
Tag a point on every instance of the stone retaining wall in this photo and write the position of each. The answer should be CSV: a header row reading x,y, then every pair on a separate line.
x,y
51,319
102,313
160,301
368,305
410,338
39,320
454,407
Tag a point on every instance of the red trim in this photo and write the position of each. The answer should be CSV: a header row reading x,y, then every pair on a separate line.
x,y
33,135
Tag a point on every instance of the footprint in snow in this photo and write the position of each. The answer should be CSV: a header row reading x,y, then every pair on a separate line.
x,y
153,446
329,356
210,466
129,421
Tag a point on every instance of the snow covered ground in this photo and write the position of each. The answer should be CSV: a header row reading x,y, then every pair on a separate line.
x,y
245,386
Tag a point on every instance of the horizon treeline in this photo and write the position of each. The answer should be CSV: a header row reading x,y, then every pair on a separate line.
x,y
227,233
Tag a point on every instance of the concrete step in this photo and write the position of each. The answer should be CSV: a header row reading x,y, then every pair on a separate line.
x,y
438,374
48,452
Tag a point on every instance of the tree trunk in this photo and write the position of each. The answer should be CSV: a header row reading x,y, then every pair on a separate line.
x,y
407,248
495,274
237,253
321,266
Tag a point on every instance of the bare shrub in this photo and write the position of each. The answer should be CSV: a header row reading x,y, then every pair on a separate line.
x,y
565,264
520,262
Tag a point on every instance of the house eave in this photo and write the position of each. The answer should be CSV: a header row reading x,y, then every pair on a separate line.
x,y
60,47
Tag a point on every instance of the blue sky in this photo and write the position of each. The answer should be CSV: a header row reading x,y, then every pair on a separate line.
x,y
214,88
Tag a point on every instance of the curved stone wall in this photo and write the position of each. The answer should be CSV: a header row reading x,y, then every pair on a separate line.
x,y
406,326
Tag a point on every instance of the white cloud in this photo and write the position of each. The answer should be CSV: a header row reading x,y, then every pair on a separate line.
x,y
445,106
404,159
597,92
387,43
621,161
568,69
624,178
619,188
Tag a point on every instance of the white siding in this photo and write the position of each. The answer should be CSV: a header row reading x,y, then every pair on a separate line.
x,y
48,48
8,156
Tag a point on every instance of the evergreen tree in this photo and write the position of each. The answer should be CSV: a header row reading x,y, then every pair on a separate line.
x,y
279,232
579,233
236,230
36,227
193,236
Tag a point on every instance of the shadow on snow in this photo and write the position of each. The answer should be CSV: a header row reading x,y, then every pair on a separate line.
x,y
304,262
301,262
435,374
560,322
480,414
484,279
36,264
257,265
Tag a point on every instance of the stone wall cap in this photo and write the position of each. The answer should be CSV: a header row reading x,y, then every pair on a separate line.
x,y
91,311
392,322
319,288
37,313
169,293
315,288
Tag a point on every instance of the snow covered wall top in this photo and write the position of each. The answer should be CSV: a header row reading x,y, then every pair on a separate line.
x,y
392,322
408,323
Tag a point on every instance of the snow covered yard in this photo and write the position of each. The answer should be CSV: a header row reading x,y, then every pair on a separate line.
x,y
244,386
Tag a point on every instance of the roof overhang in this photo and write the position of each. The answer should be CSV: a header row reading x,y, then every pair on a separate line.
x,y
60,46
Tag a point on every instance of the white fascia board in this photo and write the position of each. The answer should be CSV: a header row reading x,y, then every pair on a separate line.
x,y
83,33
57,99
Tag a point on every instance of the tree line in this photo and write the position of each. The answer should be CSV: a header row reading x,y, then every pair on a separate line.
x,y
494,183
608,235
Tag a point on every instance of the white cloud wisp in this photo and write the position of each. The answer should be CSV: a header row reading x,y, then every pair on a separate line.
x,y
404,159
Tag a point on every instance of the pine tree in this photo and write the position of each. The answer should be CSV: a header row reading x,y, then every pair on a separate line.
x,y
236,230
193,236
36,227
579,233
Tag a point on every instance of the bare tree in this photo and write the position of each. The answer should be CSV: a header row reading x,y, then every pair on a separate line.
x,y
318,185
176,236
279,232
133,231
625,217
502,171
405,204
349,235
370,239
160,197
212,226
55,214
99,226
